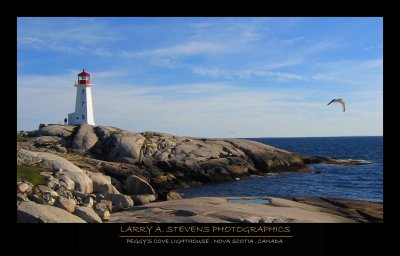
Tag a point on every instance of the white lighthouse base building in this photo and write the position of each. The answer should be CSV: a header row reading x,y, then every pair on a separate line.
x,y
83,104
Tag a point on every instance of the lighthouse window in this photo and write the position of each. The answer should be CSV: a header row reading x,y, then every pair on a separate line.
x,y
83,116
83,103
83,92
82,77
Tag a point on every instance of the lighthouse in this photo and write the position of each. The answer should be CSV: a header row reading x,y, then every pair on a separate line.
x,y
83,105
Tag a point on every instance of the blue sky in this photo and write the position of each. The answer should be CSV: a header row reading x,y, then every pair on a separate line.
x,y
206,77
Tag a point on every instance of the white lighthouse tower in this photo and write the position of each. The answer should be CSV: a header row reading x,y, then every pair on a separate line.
x,y
83,106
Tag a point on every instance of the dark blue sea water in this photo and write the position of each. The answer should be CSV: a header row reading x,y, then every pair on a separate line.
x,y
364,182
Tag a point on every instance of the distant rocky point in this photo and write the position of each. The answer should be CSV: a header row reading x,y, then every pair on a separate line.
x,y
93,171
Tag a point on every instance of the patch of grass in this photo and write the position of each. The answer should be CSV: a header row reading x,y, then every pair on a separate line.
x,y
20,138
31,174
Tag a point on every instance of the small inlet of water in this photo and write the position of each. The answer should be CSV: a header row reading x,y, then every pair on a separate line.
x,y
249,201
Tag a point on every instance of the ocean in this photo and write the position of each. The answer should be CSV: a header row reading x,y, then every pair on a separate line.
x,y
363,182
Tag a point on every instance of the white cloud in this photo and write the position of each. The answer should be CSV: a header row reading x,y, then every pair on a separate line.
x,y
247,73
61,30
291,41
282,64
189,48
345,72
212,72
102,52
86,34
168,91
40,44
45,82
236,31
98,75
202,109
351,72
279,76
250,35
29,40
45,45
165,62
43,99
373,48
321,77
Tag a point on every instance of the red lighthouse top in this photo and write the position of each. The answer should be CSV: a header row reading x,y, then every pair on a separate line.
x,y
83,77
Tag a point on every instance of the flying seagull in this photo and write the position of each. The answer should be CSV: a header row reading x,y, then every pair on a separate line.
x,y
340,101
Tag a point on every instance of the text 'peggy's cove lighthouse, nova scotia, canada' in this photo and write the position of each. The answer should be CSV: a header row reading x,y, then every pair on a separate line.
x,y
83,106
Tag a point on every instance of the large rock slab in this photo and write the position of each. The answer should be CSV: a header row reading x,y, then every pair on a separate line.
x,y
45,159
267,158
84,138
137,186
105,132
65,204
49,140
118,145
87,214
63,131
120,199
220,210
173,195
82,182
99,179
46,190
28,212
112,194
102,210
143,199
126,147
67,182
361,211
106,189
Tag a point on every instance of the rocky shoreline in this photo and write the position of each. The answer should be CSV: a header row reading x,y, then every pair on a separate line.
x,y
102,173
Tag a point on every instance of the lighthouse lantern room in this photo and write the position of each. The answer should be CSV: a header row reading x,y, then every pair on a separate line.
x,y
83,105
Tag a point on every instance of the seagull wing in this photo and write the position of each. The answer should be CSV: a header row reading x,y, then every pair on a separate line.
x,y
343,104
331,102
